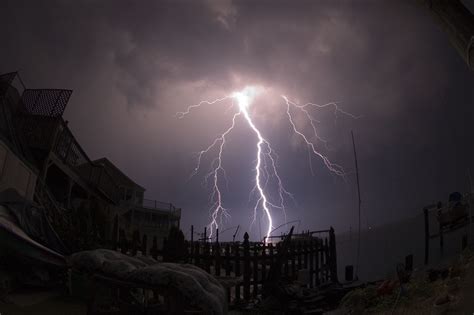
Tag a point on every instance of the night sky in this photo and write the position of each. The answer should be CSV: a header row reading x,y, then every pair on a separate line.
x,y
134,64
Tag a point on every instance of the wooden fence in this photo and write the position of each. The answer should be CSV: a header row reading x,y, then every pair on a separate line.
x,y
310,260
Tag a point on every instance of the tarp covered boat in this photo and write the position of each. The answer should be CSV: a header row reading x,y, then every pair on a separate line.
x,y
26,235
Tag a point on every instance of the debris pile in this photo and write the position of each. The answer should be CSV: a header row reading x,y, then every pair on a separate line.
x,y
435,290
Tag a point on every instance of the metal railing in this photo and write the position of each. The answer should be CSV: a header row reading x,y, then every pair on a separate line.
x,y
71,153
158,205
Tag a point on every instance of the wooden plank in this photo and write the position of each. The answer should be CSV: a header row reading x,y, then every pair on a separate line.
x,y
247,271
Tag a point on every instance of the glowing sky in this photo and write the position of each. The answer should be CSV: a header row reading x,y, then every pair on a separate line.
x,y
133,65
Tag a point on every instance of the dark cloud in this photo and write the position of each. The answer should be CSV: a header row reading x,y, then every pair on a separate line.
x,y
132,65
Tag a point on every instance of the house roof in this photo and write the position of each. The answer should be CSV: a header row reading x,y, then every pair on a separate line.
x,y
123,177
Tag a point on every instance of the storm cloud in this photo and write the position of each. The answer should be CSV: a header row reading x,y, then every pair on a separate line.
x,y
133,65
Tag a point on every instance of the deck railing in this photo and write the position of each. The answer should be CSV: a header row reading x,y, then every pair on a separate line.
x,y
312,261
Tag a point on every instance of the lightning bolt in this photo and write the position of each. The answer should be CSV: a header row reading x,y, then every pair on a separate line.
x,y
266,166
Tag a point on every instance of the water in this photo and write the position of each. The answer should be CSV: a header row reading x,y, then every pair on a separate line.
x,y
383,247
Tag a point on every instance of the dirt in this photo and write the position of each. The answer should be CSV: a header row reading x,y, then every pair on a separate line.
x,y
42,303
451,293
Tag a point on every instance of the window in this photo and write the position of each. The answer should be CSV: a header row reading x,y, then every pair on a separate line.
x,y
128,196
122,193
139,197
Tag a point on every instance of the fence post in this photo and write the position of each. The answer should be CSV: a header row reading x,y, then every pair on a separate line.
x,y
409,263
286,256
227,268
246,267
326,259
305,254
191,246
464,242
293,258
154,250
333,255
197,260
255,269
271,256
441,239
144,244
264,263
135,241
427,236
349,273
217,255
236,250
122,242
207,257
299,251
317,260
311,263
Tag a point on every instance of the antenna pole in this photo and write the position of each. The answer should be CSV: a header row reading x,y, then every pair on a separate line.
x,y
360,202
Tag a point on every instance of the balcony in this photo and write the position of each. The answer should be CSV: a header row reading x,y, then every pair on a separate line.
x,y
153,206
38,124
51,135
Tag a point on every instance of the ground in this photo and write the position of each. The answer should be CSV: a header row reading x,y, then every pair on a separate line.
x,y
449,295
42,303
422,295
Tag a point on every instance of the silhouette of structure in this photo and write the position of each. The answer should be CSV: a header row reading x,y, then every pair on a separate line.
x,y
458,22
44,162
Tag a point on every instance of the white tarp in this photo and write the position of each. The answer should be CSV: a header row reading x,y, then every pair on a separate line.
x,y
194,284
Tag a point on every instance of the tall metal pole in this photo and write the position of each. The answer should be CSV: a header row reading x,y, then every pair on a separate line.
x,y
471,192
235,234
360,202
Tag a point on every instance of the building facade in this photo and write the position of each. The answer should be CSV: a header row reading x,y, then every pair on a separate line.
x,y
43,161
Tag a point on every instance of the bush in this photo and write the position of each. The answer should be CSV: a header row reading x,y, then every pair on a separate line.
x,y
174,247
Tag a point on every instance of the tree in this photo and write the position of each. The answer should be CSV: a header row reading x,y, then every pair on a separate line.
x,y
174,246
